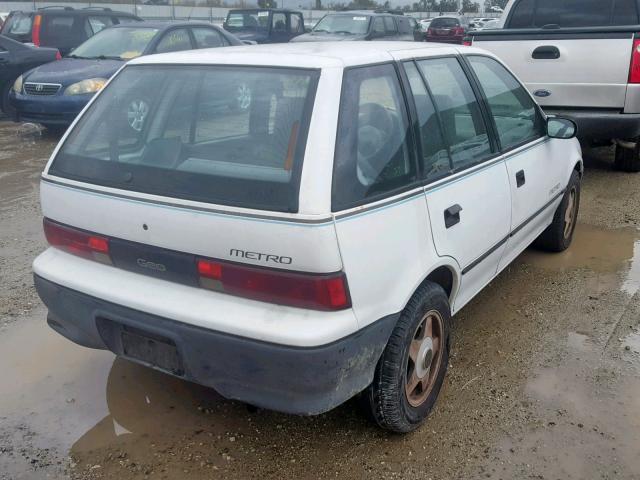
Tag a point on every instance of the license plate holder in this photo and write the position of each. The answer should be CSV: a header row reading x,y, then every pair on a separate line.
x,y
153,350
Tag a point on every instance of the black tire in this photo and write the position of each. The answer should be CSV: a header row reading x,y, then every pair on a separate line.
x,y
5,105
386,399
627,159
558,236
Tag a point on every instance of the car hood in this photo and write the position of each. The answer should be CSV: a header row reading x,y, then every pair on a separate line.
x,y
327,37
72,70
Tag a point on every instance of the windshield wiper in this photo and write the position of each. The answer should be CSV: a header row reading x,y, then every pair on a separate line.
x,y
77,57
343,31
107,57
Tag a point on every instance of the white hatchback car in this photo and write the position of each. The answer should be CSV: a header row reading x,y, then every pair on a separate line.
x,y
313,245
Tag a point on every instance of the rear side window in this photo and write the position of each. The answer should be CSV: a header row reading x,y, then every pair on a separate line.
x,y
174,41
372,151
296,23
97,24
223,135
445,23
522,14
208,38
462,121
516,116
390,26
18,23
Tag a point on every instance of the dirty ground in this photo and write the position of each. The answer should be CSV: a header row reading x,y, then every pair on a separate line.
x,y
544,379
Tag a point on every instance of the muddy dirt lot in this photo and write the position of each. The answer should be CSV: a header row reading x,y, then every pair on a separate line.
x,y
544,379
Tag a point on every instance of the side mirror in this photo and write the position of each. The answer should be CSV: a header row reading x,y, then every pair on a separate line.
x,y
558,127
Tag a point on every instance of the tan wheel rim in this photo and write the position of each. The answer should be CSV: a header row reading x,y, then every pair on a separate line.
x,y
424,359
570,213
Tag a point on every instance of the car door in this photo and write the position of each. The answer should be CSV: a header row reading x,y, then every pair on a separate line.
x,y
467,189
279,28
174,40
533,171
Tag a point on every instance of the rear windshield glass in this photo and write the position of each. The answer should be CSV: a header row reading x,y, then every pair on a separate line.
x,y
18,24
224,135
444,23
573,13
251,20
346,24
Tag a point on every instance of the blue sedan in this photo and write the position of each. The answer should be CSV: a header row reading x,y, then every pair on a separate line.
x,y
54,94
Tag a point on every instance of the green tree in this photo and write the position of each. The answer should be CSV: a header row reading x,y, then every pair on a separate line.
x,y
470,7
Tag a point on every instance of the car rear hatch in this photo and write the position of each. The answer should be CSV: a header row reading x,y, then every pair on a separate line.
x,y
191,174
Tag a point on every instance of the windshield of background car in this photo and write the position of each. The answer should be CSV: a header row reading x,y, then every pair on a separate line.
x,y
444,23
252,20
348,24
118,43
226,135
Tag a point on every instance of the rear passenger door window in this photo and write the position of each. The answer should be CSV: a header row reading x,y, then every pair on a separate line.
x,y
390,27
435,156
208,38
378,28
463,124
516,116
297,26
174,41
373,154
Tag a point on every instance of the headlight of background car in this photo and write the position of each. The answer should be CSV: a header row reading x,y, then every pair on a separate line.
x,y
17,85
91,85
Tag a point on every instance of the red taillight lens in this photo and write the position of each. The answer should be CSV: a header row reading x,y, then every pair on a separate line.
x,y
77,242
634,66
467,42
429,31
458,31
35,30
58,56
304,290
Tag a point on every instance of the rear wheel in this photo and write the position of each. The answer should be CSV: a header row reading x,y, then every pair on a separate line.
x,y
627,159
557,237
412,368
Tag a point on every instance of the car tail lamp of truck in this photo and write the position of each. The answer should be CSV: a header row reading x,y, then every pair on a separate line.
x,y
58,56
35,30
77,242
467,41
634,67
327,292
458,31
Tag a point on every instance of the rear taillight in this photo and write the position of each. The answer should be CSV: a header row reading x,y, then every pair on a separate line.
x,y
429,31
304,290
58,56
467,41
634,66
458,31
35,30
77,242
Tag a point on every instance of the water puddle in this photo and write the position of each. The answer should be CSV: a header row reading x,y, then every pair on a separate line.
x,y
598,250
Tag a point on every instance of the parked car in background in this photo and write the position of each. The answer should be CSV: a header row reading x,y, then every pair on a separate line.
x,y
581,60
490,24
265,25
54,94
63,28
166,241
3,17
448,30
360,25
15,59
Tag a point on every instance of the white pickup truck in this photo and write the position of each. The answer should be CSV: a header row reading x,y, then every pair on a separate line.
x,y
581,60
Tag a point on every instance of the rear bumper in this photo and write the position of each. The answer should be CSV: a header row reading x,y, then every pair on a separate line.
x,y
601,124
51,110
299,380
444,39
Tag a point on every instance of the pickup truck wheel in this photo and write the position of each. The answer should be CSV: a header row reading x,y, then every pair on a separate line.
x,y
627,159
557,237
412,367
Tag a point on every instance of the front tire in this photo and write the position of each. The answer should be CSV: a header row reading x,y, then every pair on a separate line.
x,y
412,368
558,236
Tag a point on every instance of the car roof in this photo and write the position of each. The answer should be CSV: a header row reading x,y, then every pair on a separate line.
x,y
370,13
75,11
295,55
282,10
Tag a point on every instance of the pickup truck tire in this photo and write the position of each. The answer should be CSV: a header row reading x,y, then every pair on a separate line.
x,y
412,368
557,236
627,159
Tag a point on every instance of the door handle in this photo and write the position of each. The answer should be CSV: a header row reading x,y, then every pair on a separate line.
x,y
546,52
520,178
452,215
